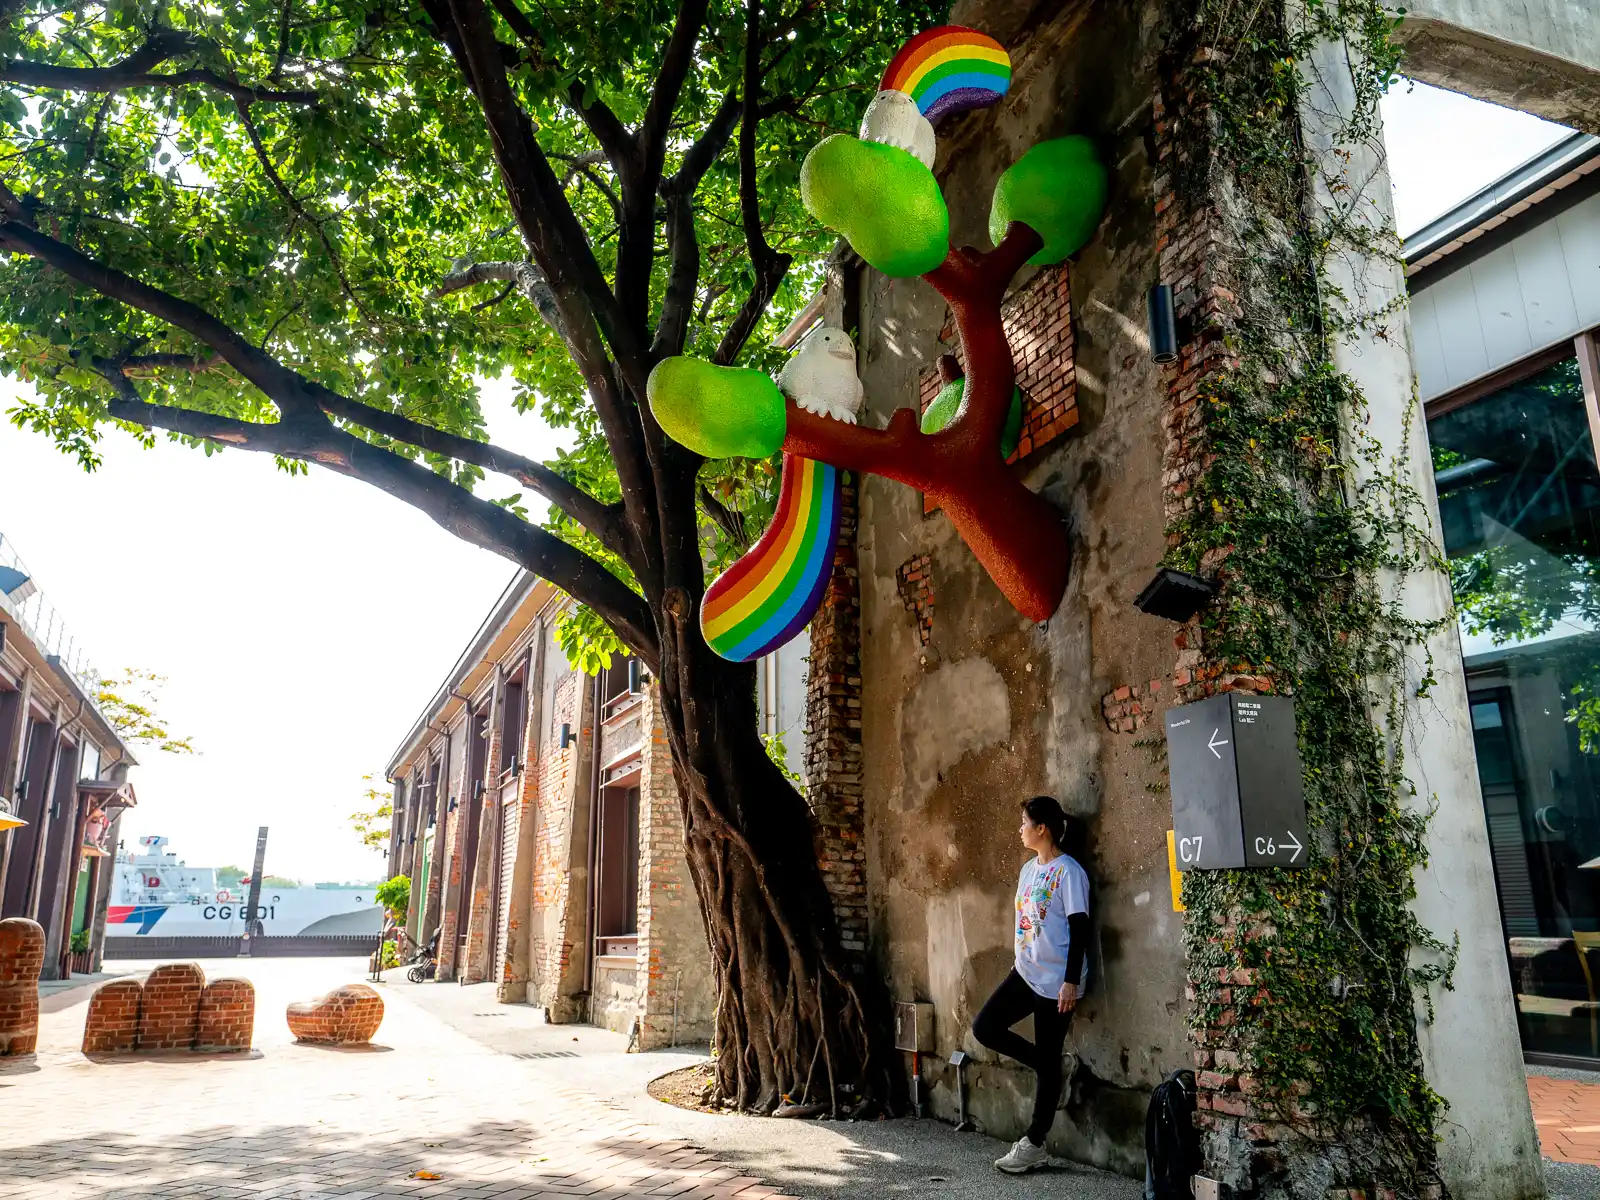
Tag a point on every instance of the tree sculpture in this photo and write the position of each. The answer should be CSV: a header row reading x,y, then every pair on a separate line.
x,y
881,195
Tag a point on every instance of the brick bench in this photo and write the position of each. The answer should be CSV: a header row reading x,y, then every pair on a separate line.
x,y
173,1010
346,1016
21,957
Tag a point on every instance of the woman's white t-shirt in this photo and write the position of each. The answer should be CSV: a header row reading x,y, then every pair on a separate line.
x,y
1047,894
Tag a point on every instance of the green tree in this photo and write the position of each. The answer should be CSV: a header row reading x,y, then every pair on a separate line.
x,y
307,230
395,896
373,824
129,704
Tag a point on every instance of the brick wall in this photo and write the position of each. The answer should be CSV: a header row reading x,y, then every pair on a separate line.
x,y
677,994
560,868
913,579
21,957
1038,325
833,734
112,1023
169,1009
227,1016
174,1009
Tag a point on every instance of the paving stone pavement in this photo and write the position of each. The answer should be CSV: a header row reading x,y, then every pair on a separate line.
x,y
426,1111
1567,1115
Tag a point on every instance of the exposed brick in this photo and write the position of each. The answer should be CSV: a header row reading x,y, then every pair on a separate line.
x,y
169,1008
21,958
227,1016
346,1016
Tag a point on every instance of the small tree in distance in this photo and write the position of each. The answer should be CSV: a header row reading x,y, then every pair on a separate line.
x,y
372,823
128,703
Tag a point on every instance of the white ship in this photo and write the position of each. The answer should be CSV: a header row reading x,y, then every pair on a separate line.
x,y
154,894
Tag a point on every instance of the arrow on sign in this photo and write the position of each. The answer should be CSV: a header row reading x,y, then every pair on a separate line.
x,y
1289,839
1213,743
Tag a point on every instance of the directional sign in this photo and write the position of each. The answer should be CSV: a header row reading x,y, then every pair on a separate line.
x,y
1237,798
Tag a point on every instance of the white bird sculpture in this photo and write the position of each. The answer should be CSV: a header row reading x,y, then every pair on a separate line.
x,y
894,119
821,377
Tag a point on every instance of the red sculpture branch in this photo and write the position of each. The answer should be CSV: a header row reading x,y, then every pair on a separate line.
x,y
1020,539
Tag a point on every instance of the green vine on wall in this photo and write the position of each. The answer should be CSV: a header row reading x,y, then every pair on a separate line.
x,y
1308,517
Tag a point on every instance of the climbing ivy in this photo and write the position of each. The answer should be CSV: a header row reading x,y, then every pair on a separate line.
x,y
1310,524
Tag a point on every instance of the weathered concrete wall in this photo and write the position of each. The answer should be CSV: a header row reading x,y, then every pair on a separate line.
x,y
993,709
1472,1053
1541,56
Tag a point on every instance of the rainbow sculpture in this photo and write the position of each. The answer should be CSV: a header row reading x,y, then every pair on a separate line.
x,y
768,596
949,69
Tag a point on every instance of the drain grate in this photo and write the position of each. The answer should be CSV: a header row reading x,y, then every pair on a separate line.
x,y
547,1054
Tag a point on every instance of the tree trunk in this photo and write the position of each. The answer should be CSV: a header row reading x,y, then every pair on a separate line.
x,y
797,1022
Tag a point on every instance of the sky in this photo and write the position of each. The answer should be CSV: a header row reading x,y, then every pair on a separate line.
x,y
303,623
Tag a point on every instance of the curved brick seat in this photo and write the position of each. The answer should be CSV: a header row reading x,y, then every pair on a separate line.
x,y
346,1016
173,1009
21,957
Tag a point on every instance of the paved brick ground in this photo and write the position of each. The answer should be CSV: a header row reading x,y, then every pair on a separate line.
x,y
317,1123
1567,1114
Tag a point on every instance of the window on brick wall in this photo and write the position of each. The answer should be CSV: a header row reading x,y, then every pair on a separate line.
x,y
512,707
617,921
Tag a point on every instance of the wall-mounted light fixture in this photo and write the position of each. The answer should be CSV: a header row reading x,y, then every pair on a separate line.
x,y
635,676
567,736
452,807
1175,595
1163,324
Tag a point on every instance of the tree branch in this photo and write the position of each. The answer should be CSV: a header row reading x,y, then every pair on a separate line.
x,y
769,267
302,399
525,277
134,72
602,520
729,520
296,207
290,391
587,309
683,279
454,508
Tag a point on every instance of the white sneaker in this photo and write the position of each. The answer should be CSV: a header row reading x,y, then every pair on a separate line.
x,y
1022,1158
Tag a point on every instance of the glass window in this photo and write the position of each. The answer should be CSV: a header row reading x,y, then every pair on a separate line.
x,y
91,762
1519,499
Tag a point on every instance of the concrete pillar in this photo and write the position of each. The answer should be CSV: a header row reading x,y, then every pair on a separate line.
x,y
513,986
1471,1047
479,965
440,796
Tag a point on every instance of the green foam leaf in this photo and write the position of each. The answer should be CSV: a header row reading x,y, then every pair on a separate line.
x,y
882,199
721,412
1057,188
948,402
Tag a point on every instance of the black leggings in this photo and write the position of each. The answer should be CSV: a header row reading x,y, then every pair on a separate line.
x,y
1012,1001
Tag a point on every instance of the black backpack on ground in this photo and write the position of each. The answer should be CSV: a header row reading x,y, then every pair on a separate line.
x,y
1171,1142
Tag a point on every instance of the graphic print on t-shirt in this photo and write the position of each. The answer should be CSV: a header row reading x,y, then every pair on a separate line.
x,y
1033,903
1047,894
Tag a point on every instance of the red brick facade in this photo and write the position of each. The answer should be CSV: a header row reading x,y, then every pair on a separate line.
x,y
833,735
1038,323
914,581
175,1009
346,1016
21,956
